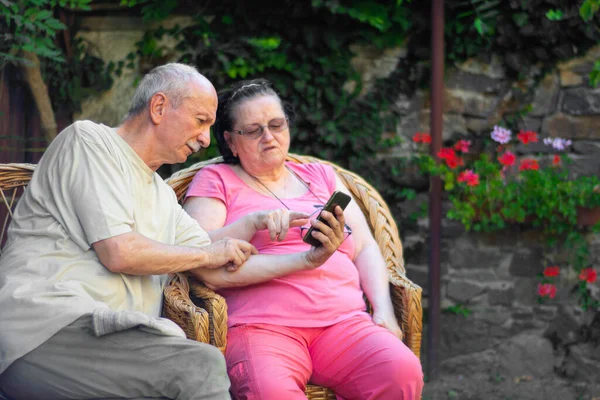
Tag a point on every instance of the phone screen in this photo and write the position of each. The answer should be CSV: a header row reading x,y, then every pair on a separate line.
x,y
337,198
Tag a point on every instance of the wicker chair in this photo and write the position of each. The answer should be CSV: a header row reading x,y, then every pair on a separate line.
x,y
202,313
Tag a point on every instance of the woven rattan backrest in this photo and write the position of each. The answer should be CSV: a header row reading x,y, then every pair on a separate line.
x,y
378,215
13,180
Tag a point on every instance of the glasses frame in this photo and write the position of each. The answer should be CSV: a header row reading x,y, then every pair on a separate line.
x,y
262,129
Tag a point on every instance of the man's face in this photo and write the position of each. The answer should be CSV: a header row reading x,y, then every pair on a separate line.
x,y
186,129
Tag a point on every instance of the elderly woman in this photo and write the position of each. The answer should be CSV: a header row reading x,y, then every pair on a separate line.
x,y
296,312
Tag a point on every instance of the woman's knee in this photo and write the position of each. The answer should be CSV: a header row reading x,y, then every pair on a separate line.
x,y
407,375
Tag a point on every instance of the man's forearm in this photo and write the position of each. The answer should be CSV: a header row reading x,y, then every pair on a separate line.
x,y
135,254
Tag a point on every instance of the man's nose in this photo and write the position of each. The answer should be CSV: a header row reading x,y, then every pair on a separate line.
x,y
204,138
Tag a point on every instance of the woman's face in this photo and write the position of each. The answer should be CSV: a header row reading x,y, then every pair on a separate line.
x,y
269,150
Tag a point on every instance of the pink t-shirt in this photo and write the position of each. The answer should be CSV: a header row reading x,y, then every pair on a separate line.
x,y
320,297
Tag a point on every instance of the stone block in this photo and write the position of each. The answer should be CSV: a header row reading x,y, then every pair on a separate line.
x,y
525,291
466,81
586,147
569,78
419,274
581,101
572,127
463,291
579,366
503,294
468,103
467,254
468,364
527,262
527,354
585,165
545,97
492,67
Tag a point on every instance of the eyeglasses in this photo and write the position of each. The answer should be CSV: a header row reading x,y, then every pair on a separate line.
x,y
304,228
254,131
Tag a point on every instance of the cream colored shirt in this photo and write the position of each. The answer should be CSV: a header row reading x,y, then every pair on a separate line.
x,y
90,185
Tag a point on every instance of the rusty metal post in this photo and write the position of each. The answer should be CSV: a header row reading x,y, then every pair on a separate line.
x,y
435,193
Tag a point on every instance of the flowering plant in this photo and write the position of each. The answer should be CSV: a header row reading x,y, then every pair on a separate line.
x,y
499,185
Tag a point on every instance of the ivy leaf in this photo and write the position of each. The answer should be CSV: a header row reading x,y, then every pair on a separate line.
x,y
588,9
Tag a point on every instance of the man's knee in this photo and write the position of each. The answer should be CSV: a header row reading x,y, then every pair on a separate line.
x,y
202,373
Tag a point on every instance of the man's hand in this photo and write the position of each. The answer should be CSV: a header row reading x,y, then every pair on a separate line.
x,y
278,222
331,237
228,252
388,320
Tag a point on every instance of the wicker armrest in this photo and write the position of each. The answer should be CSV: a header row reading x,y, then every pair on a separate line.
x,y
179,308
217,309
406,298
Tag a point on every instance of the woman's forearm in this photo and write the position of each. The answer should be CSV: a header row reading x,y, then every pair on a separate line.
x,y
242,229
257,269
374,277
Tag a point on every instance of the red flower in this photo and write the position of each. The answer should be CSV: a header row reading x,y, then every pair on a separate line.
x,y
589,275
454,162
422,137
468,176
462,146
527,137
507,159
556,160
546,289
550,272
529,164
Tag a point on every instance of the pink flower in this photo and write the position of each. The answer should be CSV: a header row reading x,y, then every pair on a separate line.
x,y
468,176
546,290
462,146
501,135
507,159
589,275
551,272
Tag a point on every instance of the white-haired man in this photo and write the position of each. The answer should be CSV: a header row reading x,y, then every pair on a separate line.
x,y
89,247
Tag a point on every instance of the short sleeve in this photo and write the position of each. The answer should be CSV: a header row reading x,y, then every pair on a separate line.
x,y
208,182
92,193
189,232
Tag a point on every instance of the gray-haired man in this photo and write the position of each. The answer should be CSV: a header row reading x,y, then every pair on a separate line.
x,y
88,250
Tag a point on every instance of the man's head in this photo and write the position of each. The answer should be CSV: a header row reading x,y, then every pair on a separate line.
x,y
179,104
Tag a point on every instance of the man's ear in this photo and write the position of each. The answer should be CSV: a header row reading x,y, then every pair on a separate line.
x,y
158,105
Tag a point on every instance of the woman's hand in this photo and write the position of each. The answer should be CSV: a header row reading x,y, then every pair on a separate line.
x,y
388,320
331,237
278,222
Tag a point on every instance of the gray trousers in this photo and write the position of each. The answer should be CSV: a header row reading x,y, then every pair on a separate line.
x,y
131,364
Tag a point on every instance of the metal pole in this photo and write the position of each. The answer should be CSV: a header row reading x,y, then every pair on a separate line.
x,y
435,193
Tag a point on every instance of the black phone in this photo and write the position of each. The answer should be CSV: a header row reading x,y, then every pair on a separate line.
x,y
337,199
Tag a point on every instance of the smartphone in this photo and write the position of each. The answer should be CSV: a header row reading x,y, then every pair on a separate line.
x,y
337,199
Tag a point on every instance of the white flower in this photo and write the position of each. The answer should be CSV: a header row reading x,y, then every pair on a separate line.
x,y
501,135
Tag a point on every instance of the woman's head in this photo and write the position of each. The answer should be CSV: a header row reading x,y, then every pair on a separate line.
x,y
244,113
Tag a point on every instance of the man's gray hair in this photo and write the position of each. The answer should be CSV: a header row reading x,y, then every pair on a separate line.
x,y
171,79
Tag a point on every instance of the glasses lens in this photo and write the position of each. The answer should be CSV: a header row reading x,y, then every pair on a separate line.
x,y
277,124
252,131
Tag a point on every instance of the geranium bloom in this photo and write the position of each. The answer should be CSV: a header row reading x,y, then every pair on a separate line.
x,y
589,275
468,176
556,160
422,137
507,159
551,272
446,152
529,164
501,135
546,290
462,146
557,143
527,137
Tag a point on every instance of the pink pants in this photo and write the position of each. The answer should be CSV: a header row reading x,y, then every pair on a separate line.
x,y
355,358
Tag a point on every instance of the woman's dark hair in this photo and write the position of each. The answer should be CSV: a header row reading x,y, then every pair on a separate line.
x,y
229,99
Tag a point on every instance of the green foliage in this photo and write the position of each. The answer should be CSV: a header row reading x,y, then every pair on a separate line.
x,y
458,309
588,9
30,25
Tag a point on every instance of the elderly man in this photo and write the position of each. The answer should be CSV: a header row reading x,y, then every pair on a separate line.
x,y
89,247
